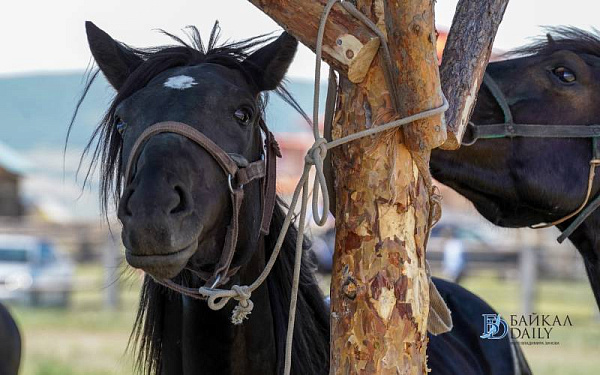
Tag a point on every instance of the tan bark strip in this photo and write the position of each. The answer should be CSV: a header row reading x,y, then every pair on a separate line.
x,y
411,32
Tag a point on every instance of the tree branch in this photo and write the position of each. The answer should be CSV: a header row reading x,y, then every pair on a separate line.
x,y
348,45
465,58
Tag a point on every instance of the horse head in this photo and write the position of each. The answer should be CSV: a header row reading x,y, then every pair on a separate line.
x,y
517,182
522,181
175,205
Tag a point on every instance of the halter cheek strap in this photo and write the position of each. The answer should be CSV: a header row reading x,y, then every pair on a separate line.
x,y
239,173
508,129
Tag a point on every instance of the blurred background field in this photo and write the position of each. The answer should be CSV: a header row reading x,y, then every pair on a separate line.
x,y
88,339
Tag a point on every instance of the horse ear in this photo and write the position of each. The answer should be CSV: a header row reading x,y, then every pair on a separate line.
x,y
269,64
550,39
113,58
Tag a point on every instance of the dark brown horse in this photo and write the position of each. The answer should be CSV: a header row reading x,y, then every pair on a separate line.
x,y
175,208
521,181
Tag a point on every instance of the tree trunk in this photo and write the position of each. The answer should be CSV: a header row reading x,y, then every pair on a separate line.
x,y
465,58
379,291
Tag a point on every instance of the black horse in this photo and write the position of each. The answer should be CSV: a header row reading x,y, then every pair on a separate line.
x,y
176,207
518,182
10,344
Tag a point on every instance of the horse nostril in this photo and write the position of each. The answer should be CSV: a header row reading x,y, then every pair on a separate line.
x,y
183,203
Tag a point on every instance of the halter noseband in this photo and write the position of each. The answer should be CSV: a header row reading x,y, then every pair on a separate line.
x,y
508,129
239,172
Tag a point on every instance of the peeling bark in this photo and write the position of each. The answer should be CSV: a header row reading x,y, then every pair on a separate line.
x,y
412,37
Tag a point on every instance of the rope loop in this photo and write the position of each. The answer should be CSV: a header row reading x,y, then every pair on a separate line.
x,y
316,154
216,301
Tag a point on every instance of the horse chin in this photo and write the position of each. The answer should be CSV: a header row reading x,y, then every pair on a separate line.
x,y
162,266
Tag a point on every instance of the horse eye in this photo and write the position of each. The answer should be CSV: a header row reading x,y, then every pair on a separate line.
x,y
243,115
564,74
121,126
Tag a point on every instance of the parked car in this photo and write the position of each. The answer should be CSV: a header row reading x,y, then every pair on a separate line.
x,y
31,271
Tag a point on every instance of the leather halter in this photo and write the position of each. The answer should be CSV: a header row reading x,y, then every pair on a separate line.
x,y
508,129
239,173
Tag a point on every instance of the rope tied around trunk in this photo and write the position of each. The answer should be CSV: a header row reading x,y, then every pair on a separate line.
x,y
218,298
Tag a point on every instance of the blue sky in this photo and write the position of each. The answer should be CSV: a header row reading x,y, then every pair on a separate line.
x,y
42,36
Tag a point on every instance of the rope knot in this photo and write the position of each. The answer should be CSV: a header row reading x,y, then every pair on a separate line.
x,y
217,299
245,305
316,154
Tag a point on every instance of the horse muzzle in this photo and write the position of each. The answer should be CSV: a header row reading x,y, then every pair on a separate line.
x,y
161,228
163,266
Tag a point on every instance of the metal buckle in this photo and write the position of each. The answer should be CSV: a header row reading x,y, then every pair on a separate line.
x,y
230,183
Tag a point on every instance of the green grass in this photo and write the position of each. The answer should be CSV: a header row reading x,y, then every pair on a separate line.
x,y
86,339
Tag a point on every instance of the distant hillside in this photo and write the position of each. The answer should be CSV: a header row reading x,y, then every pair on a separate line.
x,y
34,115
35,110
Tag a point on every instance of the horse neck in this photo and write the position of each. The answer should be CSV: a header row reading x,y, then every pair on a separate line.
x,y
586,238
208,343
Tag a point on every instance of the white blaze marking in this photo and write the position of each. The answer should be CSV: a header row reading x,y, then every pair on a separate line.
x,y
180,82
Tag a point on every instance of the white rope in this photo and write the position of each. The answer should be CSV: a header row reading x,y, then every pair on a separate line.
x,y
218,298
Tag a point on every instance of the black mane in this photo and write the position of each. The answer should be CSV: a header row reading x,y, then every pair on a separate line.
x,y
562,38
